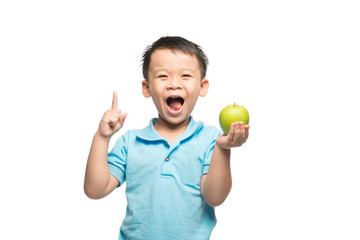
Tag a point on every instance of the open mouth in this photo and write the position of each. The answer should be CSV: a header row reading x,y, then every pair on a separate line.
x,y
175,104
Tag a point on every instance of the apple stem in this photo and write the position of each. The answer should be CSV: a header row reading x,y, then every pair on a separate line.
x,y
234,105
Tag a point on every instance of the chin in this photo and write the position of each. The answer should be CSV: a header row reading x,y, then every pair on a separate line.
x,y
176,120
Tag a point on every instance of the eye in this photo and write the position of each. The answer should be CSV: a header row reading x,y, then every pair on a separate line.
x,y
162,76
186,76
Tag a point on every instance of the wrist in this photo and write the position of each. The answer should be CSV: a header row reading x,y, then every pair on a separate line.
x,y
222,148
101,137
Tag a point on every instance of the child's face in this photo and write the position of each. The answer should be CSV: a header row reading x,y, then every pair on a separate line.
x,y
174,84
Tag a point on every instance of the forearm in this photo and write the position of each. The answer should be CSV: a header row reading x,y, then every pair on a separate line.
x,y
97,170
218,181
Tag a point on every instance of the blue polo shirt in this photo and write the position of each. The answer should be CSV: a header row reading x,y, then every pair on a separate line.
x,y
163,183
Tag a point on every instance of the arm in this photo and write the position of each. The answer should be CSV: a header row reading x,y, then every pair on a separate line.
x,y
98,181
216,184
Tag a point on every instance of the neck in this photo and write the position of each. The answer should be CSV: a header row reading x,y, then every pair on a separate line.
x,y
170,131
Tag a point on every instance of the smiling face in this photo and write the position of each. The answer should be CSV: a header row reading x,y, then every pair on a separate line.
x,y
174,83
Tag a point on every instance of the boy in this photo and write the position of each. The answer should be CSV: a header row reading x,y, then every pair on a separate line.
x,y
172,188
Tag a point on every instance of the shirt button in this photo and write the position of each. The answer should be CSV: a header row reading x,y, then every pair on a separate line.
x,y
167,159
165,143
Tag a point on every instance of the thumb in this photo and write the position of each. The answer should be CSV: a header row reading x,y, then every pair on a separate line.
x,y
122,118
231,133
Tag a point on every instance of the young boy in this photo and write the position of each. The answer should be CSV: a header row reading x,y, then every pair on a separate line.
x,y
171,188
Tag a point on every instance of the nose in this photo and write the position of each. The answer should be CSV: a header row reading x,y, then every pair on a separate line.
x,y
175,83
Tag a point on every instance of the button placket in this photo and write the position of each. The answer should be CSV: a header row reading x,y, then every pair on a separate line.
x,y
167,167
167,157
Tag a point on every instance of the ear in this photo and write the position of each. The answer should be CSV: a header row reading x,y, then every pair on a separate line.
x,y
145,89
204,87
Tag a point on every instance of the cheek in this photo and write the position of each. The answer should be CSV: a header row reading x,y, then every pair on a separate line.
x,y
155,95
194,90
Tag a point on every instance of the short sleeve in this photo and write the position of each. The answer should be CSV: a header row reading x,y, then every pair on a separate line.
x,y
117,159
212,134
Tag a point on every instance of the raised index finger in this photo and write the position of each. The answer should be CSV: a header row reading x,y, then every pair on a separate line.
x,y
114,101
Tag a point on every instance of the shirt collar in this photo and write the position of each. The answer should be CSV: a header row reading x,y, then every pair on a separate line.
x,y
150,134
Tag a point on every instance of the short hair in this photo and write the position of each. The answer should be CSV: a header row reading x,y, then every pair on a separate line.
x,y
175,44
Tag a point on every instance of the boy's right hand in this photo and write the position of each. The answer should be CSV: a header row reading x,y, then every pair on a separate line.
x,y
112,120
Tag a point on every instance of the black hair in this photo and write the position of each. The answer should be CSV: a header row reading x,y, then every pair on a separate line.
x,y
175,44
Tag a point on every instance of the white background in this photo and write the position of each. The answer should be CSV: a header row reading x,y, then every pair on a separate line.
x,y
293,64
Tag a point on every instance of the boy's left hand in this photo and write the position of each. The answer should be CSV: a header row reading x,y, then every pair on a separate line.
x,y
236,137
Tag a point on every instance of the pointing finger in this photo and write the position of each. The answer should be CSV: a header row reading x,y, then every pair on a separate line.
x,y
114,101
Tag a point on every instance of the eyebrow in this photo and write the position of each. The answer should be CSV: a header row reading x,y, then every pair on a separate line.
x,y
181,69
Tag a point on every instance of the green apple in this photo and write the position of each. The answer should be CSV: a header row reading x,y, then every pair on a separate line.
x,y
231,114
